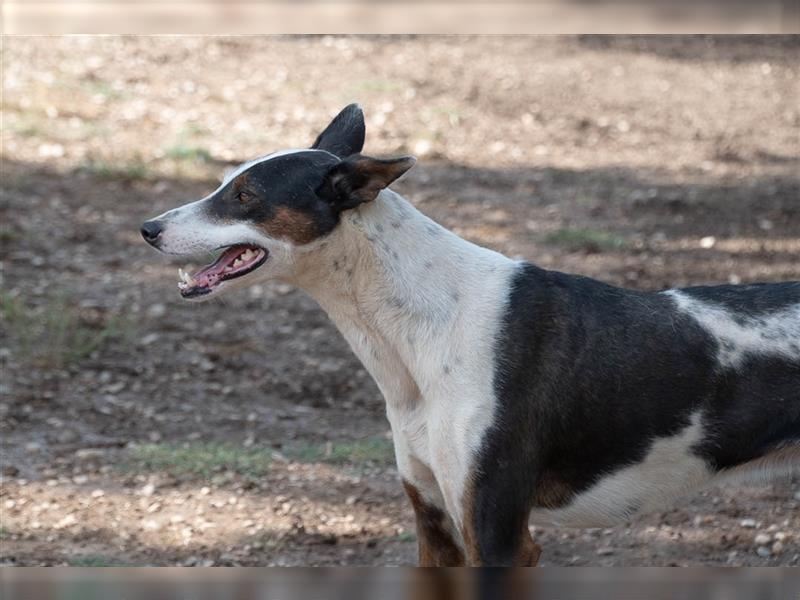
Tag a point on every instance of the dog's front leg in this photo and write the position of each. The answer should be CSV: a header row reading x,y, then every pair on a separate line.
x,y
437,546
436,532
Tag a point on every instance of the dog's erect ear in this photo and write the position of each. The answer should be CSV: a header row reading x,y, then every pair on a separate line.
x,y
345,135
360,179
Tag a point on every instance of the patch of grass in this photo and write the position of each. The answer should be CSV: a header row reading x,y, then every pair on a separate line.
x,y
4,533
193,129
183,152
377,85
94,560
105,89
130,171
376,450
26,129
56,335
586,240
201,459
406,536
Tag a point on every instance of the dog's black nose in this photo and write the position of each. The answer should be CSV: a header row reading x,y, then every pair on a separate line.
x,y
151,230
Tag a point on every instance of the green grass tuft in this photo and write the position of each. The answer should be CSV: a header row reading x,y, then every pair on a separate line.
x,y
377,451
193,153
94,560
201,459
131,171
587,240
55,335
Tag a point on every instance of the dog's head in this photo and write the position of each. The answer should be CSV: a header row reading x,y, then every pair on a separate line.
x,y
272,207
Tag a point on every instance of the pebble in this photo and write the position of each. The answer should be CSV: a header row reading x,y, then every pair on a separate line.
x,y
748,523
605,551
777,547
33,447
89,453
67,436
763,552
10,471
708,242
157,310
149,339
148,490
762,539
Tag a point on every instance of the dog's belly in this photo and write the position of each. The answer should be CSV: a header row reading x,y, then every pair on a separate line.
x,y
669,470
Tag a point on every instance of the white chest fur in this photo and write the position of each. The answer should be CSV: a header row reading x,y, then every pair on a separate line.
x,y
421,308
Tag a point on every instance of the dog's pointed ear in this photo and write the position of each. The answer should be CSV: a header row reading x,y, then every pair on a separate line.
x,y
345,134
359,179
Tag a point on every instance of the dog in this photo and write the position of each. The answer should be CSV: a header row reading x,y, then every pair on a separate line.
x,y
515,394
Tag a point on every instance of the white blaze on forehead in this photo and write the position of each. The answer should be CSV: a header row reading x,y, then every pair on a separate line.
x,y
187,211
251,163
739,335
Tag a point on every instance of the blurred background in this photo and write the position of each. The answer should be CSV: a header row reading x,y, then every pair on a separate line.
x,y
138,429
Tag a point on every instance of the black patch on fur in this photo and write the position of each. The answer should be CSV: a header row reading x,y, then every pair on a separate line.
x,y
588,375
290,181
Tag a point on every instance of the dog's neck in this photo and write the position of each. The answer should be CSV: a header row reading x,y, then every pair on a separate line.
x,y
398,287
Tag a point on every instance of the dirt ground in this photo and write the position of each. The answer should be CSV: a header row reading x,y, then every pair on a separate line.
x,y
138,429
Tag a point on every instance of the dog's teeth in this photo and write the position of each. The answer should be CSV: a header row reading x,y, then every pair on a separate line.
x,y
185,277
237,262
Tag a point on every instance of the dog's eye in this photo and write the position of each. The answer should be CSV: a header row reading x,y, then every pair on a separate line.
x,y
244,196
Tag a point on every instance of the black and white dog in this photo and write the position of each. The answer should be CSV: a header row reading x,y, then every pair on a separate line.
x,y
513,393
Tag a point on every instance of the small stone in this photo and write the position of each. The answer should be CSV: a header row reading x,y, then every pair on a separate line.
x,y
67,521
762,539
205,491
605,551
748,523
98,493
149,339
708,242
763,552
148,490
777,547
157,310
89,453
33,447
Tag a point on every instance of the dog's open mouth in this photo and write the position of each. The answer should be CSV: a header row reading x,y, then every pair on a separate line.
x,y
235,261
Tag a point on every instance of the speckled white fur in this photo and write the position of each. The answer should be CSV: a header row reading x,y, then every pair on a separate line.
x,y
773,334
421,310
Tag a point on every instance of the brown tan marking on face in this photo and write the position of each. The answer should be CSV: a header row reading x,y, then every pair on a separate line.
x,y
288,223
436,545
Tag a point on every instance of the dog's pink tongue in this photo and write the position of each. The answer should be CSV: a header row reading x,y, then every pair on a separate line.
x,y
210,274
